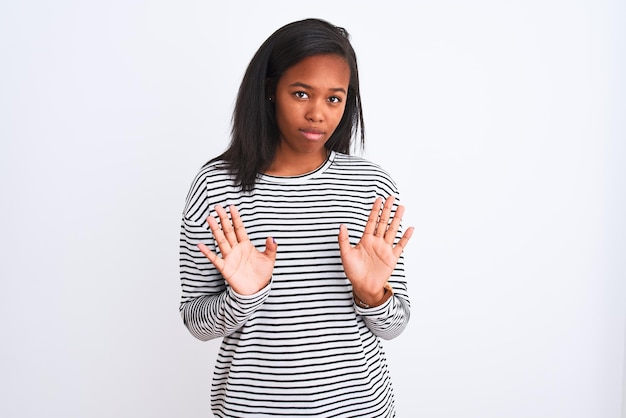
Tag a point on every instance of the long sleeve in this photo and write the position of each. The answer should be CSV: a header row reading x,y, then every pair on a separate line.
x,y
388,320
209,307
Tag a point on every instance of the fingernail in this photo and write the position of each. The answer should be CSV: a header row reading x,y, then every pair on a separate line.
x,y
273,240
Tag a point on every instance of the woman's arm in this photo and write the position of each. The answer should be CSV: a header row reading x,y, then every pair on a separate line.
x,y
209,308
389,319
374,266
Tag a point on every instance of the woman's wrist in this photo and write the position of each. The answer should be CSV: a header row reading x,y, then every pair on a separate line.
x,y
373,302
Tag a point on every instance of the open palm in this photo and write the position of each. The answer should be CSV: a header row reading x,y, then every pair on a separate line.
x,y
369,264
246,269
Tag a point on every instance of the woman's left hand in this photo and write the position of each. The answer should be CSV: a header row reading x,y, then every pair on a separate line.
x,y
369,264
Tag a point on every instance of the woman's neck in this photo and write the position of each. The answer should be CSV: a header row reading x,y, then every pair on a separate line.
x,y
295,165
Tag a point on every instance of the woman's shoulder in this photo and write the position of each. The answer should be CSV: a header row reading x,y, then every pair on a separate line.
x,y
360,168
213,172
212,168
356,163
211,181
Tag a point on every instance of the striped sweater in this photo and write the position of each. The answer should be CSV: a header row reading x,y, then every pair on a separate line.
x,y
300,347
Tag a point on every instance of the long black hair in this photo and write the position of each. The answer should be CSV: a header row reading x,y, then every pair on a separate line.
x,y
254,134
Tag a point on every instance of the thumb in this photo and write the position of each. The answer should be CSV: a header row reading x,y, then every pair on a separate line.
x,y
270,248
344,239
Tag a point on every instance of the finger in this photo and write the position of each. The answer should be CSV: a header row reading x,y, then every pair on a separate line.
x,y
270,248
218,234
227,226
390,235
344,240
399,248
383,221
372,220
240,231
213,258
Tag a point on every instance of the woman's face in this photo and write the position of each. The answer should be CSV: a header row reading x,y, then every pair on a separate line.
x,y
310,100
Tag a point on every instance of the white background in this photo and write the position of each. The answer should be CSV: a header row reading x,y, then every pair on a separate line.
x,y
502,122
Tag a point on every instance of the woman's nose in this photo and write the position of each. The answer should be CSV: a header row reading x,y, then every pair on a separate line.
x,y
314,111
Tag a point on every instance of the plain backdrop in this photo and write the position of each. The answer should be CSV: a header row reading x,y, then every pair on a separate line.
x,y
501,121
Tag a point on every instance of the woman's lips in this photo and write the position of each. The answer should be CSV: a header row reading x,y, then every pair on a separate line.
x,y
312,134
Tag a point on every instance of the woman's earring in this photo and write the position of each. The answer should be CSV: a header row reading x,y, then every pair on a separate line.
x,y
270,98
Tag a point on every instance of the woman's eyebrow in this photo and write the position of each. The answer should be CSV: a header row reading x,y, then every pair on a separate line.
x,y
306,86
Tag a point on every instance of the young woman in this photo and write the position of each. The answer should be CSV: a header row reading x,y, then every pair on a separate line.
x,y
291,248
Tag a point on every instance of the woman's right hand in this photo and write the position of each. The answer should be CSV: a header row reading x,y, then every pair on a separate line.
x,y
246,269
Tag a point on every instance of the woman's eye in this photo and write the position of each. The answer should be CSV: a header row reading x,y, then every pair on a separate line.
x,y
334,99
300,95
